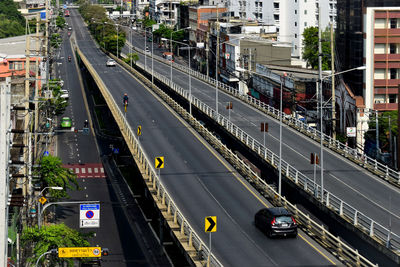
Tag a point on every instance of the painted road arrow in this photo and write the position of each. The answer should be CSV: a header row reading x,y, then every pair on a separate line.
x,y
210,224
159,163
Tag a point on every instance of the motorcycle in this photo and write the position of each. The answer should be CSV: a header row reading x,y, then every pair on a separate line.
x,y
69,58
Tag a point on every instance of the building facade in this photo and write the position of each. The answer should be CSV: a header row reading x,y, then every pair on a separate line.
x,y
367,35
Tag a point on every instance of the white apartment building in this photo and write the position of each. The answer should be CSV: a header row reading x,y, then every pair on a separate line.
x,y
291,17
164,11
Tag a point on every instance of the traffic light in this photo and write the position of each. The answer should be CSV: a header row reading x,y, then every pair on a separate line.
x,y
104,251
264,127
314,159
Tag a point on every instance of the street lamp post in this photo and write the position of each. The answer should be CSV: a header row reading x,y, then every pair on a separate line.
x,y
321,122
280,135
40,194
170,47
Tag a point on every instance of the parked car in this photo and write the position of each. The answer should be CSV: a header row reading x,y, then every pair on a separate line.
x,y
64,95
276,221
111,63
66,122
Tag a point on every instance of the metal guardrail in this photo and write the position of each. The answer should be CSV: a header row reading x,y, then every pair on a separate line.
x,y
371,164
349,255
365,224
154,182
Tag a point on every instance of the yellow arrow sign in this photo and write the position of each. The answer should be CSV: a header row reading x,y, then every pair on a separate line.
x,y
139,130
42,200
210,224
159,163
79,252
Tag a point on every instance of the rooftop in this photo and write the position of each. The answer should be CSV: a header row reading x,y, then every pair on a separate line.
x,y
14,47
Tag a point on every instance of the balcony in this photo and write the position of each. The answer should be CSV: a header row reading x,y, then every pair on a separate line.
x,y
389,32
386,106
384,82
390,57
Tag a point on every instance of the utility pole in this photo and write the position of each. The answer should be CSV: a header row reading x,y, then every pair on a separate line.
x,y
36,87
216,64
377,131
333,86
321,103
26,139
5,99
398,123
207,50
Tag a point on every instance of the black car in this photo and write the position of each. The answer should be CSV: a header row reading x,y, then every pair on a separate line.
x,y
276,221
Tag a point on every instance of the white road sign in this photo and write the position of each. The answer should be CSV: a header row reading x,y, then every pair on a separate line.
x,y
89,216
351,132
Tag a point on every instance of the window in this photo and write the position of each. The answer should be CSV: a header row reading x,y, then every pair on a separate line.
x,y
393,73
305,1
393,23
392,48
276,5
295,11
276,17
305,24
15,65
305,12
392,98
260,4
295,24
295,1
295,35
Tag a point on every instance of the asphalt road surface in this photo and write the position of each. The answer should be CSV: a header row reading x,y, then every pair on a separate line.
x,y
353,184
200,181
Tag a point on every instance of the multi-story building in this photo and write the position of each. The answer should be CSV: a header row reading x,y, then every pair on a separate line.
x,y
164,11
367,35
292,17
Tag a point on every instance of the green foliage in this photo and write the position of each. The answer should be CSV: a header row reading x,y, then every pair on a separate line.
x,y
60,21
383,128
55,40
52,237
310,48
10,9
103,29
9,27
132,56
52,173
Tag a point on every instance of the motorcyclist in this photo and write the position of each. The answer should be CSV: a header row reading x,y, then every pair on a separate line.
x,y
86,124
125,99
69,58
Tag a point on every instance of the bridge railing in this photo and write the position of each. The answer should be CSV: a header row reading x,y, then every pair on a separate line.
x,y
148,171
354,155
346,211
332,243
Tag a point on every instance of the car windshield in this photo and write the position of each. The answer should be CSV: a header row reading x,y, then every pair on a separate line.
x,y
283,219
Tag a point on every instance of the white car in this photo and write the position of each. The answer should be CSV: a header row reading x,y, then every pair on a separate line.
x,y
147,50
65,96
111,63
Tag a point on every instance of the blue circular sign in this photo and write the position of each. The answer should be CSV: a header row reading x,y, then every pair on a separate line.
x,y
89,214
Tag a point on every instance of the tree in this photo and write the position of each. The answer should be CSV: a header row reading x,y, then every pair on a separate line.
x,y
384,131
9,27
131,56
52,237
52,173
310,48
60,22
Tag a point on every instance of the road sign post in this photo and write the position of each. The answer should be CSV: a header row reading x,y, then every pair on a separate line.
x,y
210,226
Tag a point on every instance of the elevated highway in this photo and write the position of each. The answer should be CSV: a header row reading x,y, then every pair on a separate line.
x,y
366,192
201,182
